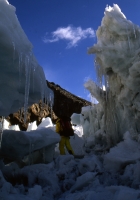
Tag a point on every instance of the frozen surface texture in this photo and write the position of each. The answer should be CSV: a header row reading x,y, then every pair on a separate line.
x,y
17,144
22,80
117,64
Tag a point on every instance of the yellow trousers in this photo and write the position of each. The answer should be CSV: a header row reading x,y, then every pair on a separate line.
x,y
65,142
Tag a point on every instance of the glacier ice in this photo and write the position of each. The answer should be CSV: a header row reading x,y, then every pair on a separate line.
x,y
22,80
117,56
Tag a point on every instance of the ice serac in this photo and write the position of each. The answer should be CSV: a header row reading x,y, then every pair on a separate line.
x,y
117,62
22,80
17,144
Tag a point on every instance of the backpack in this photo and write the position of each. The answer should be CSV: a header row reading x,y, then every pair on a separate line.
x,y
66,128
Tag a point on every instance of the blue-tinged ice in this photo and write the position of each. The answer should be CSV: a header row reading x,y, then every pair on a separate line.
x,y
26,79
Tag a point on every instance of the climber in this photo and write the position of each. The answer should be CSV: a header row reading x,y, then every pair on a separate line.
x,y
64,128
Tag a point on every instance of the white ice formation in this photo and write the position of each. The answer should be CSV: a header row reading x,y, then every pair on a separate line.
x,y
22,80
46,122
117,64
16,145
32,126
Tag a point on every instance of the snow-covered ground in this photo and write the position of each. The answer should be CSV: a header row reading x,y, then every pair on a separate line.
x,y
98,175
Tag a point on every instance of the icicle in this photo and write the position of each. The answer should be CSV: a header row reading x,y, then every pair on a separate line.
x,y
107,87
96,70
51,103
33,77
100,78
45,98
20,68
128,39
14,51
33,69
27,84
42,89
111,122
134,31
47,102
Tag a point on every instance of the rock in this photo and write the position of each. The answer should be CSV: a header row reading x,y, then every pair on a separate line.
x,y
64,103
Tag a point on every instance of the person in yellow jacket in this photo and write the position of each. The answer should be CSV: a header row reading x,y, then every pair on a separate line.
x,y
65,140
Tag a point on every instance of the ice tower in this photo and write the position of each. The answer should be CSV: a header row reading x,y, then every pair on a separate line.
x,y
117,63
22,80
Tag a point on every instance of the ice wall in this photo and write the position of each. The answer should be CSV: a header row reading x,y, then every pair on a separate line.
x,y
117,64
22,80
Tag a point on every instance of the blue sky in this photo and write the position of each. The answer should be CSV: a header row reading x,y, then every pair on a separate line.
x,y
61,32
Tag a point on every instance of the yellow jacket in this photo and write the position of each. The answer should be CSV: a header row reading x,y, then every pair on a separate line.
x,y
58,126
